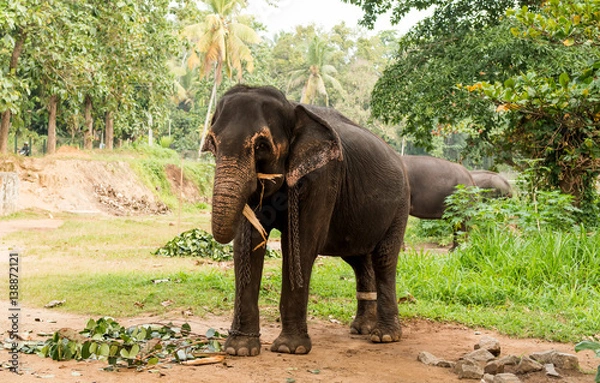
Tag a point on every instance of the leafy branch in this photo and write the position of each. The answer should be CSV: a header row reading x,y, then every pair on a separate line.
x,y
199,243
143,345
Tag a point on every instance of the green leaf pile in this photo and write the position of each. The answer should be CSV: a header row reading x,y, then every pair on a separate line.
x,y
199,243
149,344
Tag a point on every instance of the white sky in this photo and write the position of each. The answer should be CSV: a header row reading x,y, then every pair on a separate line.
x,y
324,13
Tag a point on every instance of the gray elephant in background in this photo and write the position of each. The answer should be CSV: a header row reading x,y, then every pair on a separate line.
x,y
431,180
498,185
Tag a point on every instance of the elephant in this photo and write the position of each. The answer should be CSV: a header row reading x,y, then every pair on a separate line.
x,y
485,179
431,180
329,186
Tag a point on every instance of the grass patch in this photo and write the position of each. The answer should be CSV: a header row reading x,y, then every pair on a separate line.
x,y
122,294
546,285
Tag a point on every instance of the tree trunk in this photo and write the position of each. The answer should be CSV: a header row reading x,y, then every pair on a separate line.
x,y
12,70
88,136
109,130
52,105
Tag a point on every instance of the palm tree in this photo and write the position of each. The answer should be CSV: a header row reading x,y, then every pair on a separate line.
x,y
221,42
185,84
316,74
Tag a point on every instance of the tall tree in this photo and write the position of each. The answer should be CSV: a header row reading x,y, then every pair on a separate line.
x,y
20,19
60,55
220,44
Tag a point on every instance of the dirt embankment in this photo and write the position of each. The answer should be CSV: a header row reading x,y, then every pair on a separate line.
x,y
72,182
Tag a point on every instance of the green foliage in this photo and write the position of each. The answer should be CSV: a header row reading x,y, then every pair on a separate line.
x,y
593,346
449,17
196,243
199,243
105,339
430,230
547,210
553,117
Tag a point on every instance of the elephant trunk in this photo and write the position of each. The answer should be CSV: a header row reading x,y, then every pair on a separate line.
x,y
231,191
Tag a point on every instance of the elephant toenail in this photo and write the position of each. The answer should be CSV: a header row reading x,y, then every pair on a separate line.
x,y
254,351
284,348
354,331
301,350
230,350
375,338
243,351
386,338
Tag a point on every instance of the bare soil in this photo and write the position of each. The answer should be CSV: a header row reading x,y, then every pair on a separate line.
x,y
56,184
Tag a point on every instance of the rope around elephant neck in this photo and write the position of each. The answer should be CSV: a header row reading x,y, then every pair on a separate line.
x,y
294,265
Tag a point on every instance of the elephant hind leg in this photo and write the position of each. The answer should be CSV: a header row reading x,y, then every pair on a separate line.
x,y
385,260
366,295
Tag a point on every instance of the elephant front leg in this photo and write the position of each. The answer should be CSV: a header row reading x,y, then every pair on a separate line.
x,y
294,338
244,335
366,295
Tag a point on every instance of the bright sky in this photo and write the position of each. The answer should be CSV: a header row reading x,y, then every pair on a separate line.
x,y
324,13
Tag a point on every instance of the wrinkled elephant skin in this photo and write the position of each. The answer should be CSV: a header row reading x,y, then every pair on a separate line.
x,y
330,186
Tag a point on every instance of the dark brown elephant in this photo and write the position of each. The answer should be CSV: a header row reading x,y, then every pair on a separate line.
x,y
431,180
498,185
330,187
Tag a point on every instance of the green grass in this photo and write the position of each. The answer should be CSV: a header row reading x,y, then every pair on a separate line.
x,y
545,286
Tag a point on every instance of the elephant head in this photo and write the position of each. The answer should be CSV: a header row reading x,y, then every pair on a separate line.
x,y
257,131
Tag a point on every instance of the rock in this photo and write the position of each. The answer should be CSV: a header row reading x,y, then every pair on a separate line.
x,y
565,361
506,378
487,378
458,366
480,355
558,359
551,371
544,357
509,360
467,371
528,365
490,344
494,367
427,358
445,363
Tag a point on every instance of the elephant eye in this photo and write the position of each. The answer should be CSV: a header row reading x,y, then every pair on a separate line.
x,y
261,147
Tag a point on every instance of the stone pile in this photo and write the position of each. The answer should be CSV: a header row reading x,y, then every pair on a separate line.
x,y
119,204
486,364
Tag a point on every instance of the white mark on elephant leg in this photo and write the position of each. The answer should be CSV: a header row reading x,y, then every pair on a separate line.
x,y
366,296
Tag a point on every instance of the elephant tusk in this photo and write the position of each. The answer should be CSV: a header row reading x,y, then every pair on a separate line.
x,y
251,217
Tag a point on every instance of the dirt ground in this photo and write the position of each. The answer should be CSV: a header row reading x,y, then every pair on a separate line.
x,y
337,356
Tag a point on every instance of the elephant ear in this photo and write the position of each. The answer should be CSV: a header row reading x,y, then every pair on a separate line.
x,y
314,144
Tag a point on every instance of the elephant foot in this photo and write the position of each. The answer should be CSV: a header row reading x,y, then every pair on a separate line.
x,y
292,344
386,334
242,345
363,325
